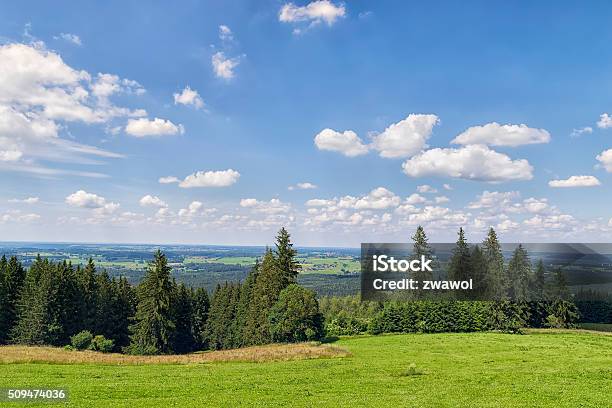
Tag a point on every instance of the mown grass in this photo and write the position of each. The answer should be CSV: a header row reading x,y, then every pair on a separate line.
x,y
539,369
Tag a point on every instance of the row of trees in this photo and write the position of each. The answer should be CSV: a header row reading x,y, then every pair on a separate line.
x,y
52,302
492,278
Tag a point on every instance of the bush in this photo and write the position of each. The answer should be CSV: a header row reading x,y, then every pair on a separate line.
x,y
81,340
102,344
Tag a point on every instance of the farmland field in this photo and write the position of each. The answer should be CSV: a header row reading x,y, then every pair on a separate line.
x,y
542,368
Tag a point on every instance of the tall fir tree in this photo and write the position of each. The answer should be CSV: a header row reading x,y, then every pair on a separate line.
x,y
87,286
153,327
479,274
520,275
182,312
201,306
285,256
268,285
220,330
539,282
246,295
13,277
496,280
460,267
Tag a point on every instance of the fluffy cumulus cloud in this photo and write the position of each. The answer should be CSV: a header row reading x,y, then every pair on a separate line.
x,y
225,33
189,97
415,199
152,201
223,66
347,142
378,199
494,134
605,121
576,181
582,131
221,178
473,162
405,138
313,13
99,204
18,216
494,199
605,158
302,186
425,188
143,127
40,95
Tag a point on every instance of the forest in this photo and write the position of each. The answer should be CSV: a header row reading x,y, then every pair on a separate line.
x,y
81,307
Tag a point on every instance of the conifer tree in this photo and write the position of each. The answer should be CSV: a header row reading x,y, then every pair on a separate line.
x,y
201,305
421,248
220,330
479,274
268,285
285,257
152,330
520,275
460,267
182,312
242,309
12,276
87,286
496,281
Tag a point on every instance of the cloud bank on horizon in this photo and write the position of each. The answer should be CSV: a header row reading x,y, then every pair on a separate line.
x,y
296,115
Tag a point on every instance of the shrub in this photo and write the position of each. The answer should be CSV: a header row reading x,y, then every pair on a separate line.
x,y
102,344
81,340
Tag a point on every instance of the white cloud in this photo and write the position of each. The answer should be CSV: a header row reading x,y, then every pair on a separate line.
x,y
473,162
347,142
605,121
152,201
84,199
534,205
438,217
221,178
225,33
157,127
378,199
405,138
314,13
18,216
494,134
98,204
168,180
494,199
605,158
415,199
223,67
188,97
576,181
581,131
29,200
425,188
274,206
447,186
317,202
442,199
71,38
39,96
302,186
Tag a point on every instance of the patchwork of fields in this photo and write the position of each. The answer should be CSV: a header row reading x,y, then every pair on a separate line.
x,y
543,368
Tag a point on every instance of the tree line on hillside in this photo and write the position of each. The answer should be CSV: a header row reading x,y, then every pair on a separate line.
x,y
492,278
58,304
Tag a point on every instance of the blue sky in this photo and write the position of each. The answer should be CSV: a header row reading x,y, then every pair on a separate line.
x,y
526,85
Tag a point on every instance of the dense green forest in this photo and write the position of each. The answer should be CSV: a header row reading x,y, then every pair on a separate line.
x,y
56,303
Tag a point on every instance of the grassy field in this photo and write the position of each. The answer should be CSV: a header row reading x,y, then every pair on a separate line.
x,y
542,368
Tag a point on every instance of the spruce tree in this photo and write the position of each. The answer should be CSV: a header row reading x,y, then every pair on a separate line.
x,y
87,286
285,256
539,283
182,311
246,295
268,285
12,276
201,306
496,281
220,328
460,267
479,274
153,327
520,275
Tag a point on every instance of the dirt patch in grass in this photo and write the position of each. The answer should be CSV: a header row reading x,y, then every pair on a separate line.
x,y
274,352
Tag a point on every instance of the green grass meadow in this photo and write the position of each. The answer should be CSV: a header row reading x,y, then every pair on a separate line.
x,y
539,369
